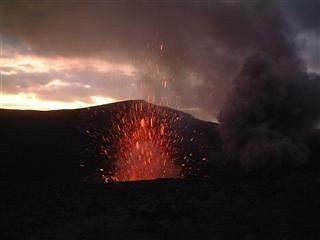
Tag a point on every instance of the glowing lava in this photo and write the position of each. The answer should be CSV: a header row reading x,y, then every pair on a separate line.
x,y
143,144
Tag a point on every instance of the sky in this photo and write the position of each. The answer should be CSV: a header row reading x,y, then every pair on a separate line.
x,y
184,54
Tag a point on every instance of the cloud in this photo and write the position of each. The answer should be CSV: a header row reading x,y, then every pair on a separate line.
x,y
31,102
273,104
66,79
197,48
305,14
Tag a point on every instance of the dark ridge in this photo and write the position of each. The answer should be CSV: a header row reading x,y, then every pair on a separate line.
x,y
53,145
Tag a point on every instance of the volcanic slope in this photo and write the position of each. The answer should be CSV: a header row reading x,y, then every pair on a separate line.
x,y
51,186
65,145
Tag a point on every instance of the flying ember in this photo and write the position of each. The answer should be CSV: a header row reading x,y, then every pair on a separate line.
x,y
143,144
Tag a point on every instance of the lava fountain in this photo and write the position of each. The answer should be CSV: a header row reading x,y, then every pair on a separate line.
x,y
142,144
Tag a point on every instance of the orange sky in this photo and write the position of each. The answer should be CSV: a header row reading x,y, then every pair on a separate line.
x,y
20,91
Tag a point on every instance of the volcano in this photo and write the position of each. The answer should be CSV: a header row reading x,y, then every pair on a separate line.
x,y
70,145
53,170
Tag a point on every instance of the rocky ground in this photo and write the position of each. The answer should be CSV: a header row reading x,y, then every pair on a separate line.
x,y
286,207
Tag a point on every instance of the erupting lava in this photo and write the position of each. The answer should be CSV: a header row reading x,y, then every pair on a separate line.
x,y
143,144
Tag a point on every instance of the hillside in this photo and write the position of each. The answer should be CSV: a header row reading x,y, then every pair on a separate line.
x,y
51,188
53,145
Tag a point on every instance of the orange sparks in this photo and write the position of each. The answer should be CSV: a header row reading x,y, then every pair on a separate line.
x,y
161,47
145,144
165,84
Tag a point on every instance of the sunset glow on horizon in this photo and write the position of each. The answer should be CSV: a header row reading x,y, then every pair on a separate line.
x,y
24,101
31,82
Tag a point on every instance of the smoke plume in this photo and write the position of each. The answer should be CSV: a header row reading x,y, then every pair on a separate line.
x,y
272,104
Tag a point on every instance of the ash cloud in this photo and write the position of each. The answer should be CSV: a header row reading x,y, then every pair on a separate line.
x,y
305,14
272,106
273,103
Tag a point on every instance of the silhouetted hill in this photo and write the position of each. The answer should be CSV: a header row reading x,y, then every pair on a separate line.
x,y
53,145
46,194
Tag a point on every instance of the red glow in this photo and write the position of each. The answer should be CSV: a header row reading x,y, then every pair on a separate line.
x,y
145,144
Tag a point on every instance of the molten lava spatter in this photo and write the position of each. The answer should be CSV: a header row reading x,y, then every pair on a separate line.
x,y
143,144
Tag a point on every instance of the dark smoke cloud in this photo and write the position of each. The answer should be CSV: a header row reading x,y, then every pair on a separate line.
x,y
305,14
204,42
273,103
